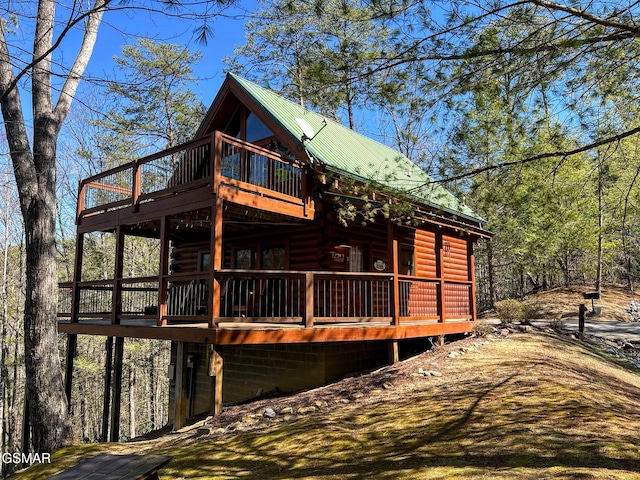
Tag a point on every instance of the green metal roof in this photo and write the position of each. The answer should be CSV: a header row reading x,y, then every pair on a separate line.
x,y
347,152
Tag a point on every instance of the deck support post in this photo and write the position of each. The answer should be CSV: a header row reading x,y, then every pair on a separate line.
x,y
216,260
216,364
77,277
72,345
106,397
180,394
117,390
165,231
394,354
116,295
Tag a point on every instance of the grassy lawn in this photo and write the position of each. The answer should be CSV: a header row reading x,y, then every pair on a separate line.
x,y
530,406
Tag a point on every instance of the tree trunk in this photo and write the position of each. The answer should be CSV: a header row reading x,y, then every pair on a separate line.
x,y
490,270
47,402
4,372
600,228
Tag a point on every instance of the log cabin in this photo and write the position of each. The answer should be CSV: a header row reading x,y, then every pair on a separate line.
x,y
290,251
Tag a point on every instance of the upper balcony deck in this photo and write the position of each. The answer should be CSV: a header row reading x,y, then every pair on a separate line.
x,y
230,168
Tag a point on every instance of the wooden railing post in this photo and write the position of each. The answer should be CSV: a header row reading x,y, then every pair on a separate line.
x,y
440,273
396,285
472,279
308,300
82,200
216,156
136,185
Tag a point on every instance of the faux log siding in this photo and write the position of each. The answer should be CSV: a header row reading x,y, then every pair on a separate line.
x,y
305,250
185,257
455,264
425,254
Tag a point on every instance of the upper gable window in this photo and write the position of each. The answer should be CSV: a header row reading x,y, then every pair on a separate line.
x,y
256,130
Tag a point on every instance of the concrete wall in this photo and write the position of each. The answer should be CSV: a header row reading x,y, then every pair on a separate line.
x,y
251,371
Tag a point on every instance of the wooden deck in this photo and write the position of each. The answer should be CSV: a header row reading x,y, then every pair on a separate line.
x,y
251,334
217,164
218,179
267,306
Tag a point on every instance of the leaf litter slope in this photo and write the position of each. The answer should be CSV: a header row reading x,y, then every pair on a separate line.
x,y
533,405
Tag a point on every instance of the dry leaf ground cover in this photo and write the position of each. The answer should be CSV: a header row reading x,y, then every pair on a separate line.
x,y
530,406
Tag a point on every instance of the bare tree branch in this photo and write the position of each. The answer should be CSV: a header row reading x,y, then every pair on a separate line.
x,y
541,156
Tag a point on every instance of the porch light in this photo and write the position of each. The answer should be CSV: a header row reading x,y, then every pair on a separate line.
x,y
342,243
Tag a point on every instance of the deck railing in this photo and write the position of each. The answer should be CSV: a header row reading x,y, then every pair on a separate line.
x,y
247,163
340,297
190,165
418,298
275,296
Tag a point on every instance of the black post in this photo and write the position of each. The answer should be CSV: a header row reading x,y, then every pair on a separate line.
x,y
107,388
581,315
72,345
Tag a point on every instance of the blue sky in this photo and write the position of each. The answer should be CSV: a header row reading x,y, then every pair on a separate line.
x,y
120,28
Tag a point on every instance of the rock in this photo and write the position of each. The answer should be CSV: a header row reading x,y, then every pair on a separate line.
x,y
633,309
387,386
203,431
321,404
249,419
421,371
453,354
286,411
305,410
345,400
376,391
356,395
269,413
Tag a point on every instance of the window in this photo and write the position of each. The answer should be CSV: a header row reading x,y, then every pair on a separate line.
x,y
205,261
274,258
446,248
356,258
256,130
245,258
